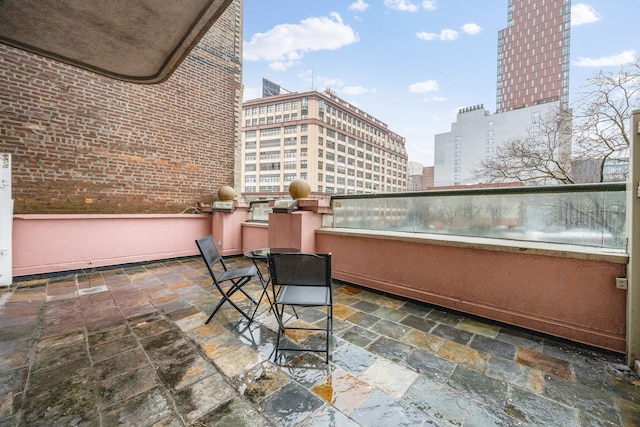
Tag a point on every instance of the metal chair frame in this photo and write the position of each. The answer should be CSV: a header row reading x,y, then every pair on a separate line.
x,y
304,281
238,277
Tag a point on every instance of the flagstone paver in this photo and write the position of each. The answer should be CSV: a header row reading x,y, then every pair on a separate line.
x,y
128,346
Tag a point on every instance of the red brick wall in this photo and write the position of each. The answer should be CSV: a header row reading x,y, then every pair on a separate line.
x,y
82,143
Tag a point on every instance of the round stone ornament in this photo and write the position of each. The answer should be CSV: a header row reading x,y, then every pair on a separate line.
x,y
226,193
299,189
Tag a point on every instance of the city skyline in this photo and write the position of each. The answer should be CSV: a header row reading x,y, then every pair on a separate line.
x,y
412,64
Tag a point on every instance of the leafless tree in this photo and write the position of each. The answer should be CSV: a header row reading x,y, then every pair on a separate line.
x,y
598,128
601,123
542,157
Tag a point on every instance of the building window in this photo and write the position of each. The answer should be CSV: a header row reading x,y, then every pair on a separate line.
x,y
270,132
270,166
270,143
272,177
266,155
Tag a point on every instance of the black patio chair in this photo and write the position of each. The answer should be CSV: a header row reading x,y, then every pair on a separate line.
x,y
304,280
233,279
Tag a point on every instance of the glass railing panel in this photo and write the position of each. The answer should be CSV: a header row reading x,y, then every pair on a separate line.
x,y
589,215
259,210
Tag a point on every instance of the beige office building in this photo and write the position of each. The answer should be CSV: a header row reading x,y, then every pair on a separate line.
x,y
318,137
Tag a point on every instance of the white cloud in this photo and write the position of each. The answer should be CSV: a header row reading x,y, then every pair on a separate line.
x,y
401,5
423,35
620,59
437,99
423,87
251,93
582,13
357,90
471,28
429,5
359,6
445,35
284,45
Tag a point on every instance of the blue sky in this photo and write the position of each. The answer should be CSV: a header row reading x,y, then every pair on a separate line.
x,y
413,63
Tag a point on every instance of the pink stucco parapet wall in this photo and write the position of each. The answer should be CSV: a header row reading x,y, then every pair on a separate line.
x,y
53,243
559,292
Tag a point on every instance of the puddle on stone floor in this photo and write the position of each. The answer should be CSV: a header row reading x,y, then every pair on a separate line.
x,y
343,390
261,381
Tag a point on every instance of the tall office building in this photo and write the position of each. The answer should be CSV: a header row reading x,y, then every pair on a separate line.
x,y
533,54
318,137
532,82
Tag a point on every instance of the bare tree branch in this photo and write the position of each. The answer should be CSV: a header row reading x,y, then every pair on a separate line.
x,y
542,157
600,135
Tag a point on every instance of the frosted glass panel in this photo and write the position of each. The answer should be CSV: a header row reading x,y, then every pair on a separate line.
x,y
589,215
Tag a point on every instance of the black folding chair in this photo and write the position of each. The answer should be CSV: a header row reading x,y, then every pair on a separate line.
x,y
236,278
304,281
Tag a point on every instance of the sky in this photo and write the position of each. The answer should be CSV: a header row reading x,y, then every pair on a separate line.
x,y
413,63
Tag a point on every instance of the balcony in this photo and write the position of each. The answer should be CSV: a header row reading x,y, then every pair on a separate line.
x,y
129,346
447,313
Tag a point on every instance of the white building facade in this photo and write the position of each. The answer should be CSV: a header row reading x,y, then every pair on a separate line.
x,y
474,137
321,138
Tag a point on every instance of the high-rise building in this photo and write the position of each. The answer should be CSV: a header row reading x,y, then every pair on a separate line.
x,y
533,82
321,138
533,54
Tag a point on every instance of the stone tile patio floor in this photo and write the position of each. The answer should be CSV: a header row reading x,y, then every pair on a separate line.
x,y
128,346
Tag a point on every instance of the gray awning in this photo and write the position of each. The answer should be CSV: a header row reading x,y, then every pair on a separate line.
x,y
140,41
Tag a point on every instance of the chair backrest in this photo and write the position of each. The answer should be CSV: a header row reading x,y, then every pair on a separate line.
x,y
209,252
300,269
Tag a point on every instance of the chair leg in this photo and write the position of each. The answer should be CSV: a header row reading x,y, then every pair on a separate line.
x,y
329,329
264,292
278,314
215,310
